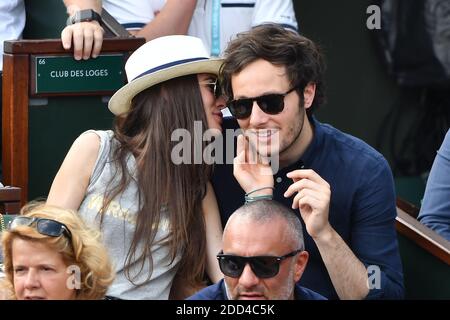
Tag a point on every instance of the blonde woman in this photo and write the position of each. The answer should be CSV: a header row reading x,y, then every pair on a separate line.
x,y
49,253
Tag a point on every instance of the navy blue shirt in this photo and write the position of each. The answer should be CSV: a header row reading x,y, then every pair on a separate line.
x,y
218,292
362,207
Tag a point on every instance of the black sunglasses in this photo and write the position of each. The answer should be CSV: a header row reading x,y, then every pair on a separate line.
x,y
214,87
270,103
262,266
48,227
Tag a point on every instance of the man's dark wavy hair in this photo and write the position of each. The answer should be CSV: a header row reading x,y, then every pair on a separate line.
x,y
302,58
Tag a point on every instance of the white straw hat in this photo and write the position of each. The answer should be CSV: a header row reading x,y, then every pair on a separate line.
x,y
160,60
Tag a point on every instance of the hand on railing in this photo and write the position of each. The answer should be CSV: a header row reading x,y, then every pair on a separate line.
x,y
87,38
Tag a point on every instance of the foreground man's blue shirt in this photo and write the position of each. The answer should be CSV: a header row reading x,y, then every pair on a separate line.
x,y
218,292
362,208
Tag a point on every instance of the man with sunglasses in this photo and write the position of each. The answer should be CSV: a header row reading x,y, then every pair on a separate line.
x,y
341,187
263,256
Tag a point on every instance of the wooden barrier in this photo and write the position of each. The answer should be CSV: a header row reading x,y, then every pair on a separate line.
x,y
421,235
425,256
10,200
22,61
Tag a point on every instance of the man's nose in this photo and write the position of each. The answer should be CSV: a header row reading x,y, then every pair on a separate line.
x,y
258,117
248,279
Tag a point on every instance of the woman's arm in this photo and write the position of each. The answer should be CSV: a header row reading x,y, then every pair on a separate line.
x,y
69,186
214,232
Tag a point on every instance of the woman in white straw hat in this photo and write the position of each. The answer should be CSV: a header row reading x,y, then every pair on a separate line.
x,y
158,218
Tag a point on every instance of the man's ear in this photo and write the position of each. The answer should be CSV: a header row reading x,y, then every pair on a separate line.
x,y
308,94
300,264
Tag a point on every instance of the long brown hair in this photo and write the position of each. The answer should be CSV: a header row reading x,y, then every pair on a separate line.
x,y
145,132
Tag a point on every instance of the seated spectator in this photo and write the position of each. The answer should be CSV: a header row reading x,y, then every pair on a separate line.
x,y
263,256
435,210
340,186
215,22
49,253
149,19
157,212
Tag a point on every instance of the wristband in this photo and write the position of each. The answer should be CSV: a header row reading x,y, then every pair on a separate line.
x,y
84,16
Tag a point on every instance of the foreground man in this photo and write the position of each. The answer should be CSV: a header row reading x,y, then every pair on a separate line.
x,y
263,256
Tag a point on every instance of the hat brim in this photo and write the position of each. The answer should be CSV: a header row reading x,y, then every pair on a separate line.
x,y
120,102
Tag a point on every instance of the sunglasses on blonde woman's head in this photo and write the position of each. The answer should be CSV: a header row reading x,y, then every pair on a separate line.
x,y
262,266
47,227
214,86
269,103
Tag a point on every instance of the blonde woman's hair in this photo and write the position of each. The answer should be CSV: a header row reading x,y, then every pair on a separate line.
x,y
84,250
